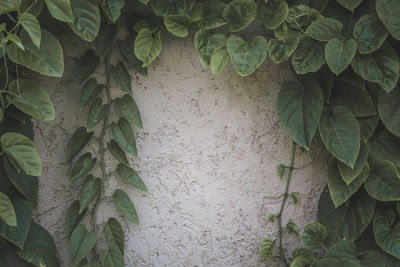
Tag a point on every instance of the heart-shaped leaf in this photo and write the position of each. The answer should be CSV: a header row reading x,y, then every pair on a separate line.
x,y
32,27
121,77
246,56
112,8
348,174
349,4
90,190
90,91
367,126
124,136
126,50
239,14
340,133
112,257
206,44
7,213
219,58
272,13
339,54
117,152
97,112
210,15
299,109
72,218
85,19
388,12
369,33
87,64
130,176
114,234
309,56
105,38
281,50
178,24
389,110
60,9
325,29
83,165
81,243
386,232
127,108
77,142
125,206
314,234
265,248
147,46
384,146
9,6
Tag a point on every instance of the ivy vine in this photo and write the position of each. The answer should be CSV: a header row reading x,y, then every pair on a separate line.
x,y
351,102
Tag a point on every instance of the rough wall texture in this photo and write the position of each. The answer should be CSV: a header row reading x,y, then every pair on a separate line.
x,y
208,155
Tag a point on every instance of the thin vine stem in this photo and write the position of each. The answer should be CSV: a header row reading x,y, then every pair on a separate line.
x,y
284,200
104,173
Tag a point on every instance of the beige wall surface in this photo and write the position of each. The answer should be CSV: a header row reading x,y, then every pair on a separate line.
x,y
208,154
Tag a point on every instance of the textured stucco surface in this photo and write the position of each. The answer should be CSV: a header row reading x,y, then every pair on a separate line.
x,y
208,155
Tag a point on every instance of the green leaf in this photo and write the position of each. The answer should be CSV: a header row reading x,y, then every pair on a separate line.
x,y
383,183
25,184
299,107
356,99
388,12
60,9
114,234
219,58
32,7
272,13
300,16
7,6
77,142
389,110
18,234
48,60
97,112
314,234
85,19
127,108
384,146
340,191
372,259
87,64
7,213
171,7
369,33
121,77
73,217
309,56
126,50
325,29
178,24
206,44
300,261
81,243
340,133
105,38
335,262
239,14
343,253
32,99
386,232
281,50
125,206
130,176
339,54
367,126
124,136
147,46
90,91
350,77
349,4
16,40
39,248
117,151
265,248
246,57
112,257
303,256
23,151
112,8
32,27
211,15
348,174
382,66
90,190
83,165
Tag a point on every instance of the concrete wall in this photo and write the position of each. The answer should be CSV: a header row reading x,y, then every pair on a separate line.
x,y
208,155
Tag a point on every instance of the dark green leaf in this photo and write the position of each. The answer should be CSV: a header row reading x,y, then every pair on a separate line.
x,y
112,257
83,165
9,5
339,54
39,248
124,136
147,46
7,213
130,176
32,27
87,64
121,77
178,24
104,40
300,16
386,232
383,183
114,234
382,66
389,110
90,91
117,152
125,206
127,108
272,13
388,11
60,9
281,50
367,126
369,33
112,8
171,7
97,112
206,43
314,234
349,4
90,190
48,60
239,14
299,109
340,133
86,19
373,259
246,57
81,243
210,14
348,174
78,140
325,29
73,217
384,146
309,56
23,151
126,50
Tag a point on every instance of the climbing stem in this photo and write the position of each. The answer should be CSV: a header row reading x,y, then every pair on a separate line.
x,y
284,200
101,141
